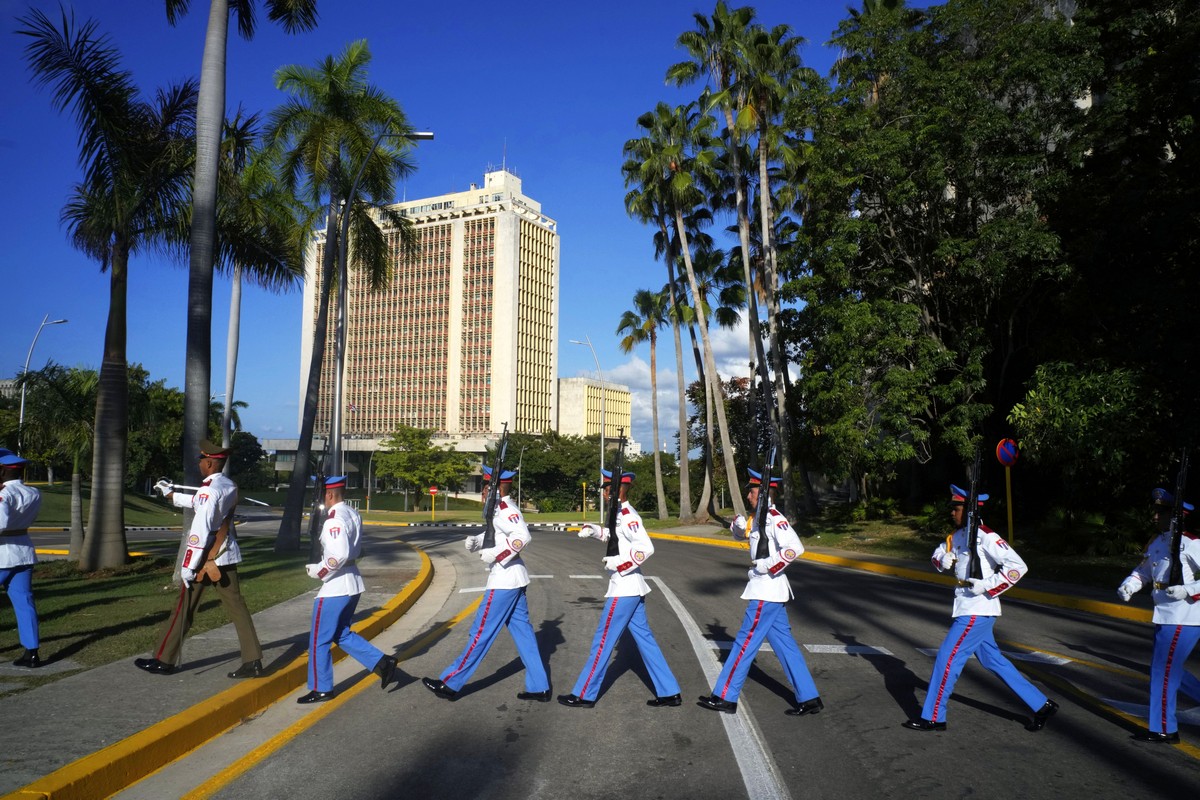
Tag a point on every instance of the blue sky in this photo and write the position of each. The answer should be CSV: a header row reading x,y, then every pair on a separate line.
x,y
552,89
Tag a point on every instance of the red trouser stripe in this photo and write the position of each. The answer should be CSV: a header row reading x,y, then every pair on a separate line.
x,y
175,617
742,652
937,704
312,643
487,607
1167,675
612,609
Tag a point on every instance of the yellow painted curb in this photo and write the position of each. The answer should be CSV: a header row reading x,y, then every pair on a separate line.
x,y
1099,607
124,763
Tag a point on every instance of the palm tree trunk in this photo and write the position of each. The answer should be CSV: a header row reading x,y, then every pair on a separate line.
x,y
713,378
76,546
210,117
685,484
288,539
658,477
104,543
709,446
231,356
743,222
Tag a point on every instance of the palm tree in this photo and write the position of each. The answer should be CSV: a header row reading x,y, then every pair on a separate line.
x,y
641,324
294,15
336,126
136,158
715,49
63,406
677,155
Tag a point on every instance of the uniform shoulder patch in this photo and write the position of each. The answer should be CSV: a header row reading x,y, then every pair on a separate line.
x,y
331,514
503,504
1190,535
624,510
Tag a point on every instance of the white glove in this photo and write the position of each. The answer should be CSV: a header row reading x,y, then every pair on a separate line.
x,y
978,586
164,487
187,575
612,562
762,566
593,531
738,526
1176,592
488,554
946,561
313,570
473,543
1126,589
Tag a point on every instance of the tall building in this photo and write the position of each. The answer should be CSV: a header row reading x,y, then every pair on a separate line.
x,y
464,337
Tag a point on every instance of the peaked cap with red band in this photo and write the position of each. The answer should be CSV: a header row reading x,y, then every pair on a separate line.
x,y
957,495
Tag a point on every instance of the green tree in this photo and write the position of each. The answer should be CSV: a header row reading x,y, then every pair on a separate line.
x,y
136,158
294,15
410,458
641,324
335,126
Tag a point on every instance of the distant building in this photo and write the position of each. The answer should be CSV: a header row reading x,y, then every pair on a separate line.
x,y
579,408
465,337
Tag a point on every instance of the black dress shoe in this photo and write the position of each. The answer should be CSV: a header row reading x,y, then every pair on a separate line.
x,y
923,724
440,689
154,666
715,703
29,659
672,700
315,697
251,669
541,697
385,668
574,701
1044,713
813,706
1161,738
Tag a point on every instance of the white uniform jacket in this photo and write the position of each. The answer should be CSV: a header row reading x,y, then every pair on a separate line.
x,y
634,547
506,569
341,546
19,506
999,564
1155,570
767,581
214,501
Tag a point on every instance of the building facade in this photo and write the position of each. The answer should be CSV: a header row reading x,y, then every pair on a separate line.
x,y
464,337
584,404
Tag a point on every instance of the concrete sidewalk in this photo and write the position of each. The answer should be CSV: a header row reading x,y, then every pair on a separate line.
x,y
93,733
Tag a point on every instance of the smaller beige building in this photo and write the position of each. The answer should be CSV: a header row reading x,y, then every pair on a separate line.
x,y
580,409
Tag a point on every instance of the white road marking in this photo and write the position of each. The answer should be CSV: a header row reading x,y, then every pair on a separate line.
x,y
757,766
848,649
1037,658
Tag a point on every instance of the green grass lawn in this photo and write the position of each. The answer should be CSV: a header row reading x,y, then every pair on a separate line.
x,y
105,616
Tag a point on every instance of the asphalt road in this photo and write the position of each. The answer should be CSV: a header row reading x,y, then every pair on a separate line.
x,y
864,636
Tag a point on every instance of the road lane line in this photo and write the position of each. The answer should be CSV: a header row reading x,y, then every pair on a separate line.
x,y
761,778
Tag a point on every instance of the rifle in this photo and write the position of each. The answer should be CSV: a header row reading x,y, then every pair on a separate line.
x,y
489,506
973,520
316,517
1175,574
614,500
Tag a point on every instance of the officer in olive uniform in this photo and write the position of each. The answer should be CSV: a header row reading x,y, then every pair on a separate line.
x,y
211,559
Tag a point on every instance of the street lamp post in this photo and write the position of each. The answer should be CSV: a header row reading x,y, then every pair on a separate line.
x,y
587,342
21,417
335,456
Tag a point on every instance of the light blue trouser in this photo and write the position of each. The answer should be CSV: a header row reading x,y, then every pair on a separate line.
x,y
621,613
1172,646
19,583
764,621
500,608
972,635
330,625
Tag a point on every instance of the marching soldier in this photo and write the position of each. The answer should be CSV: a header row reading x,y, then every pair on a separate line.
x,y
976,607
768,591
504,603
626,606
211,559
1176,618
19,506
333,608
